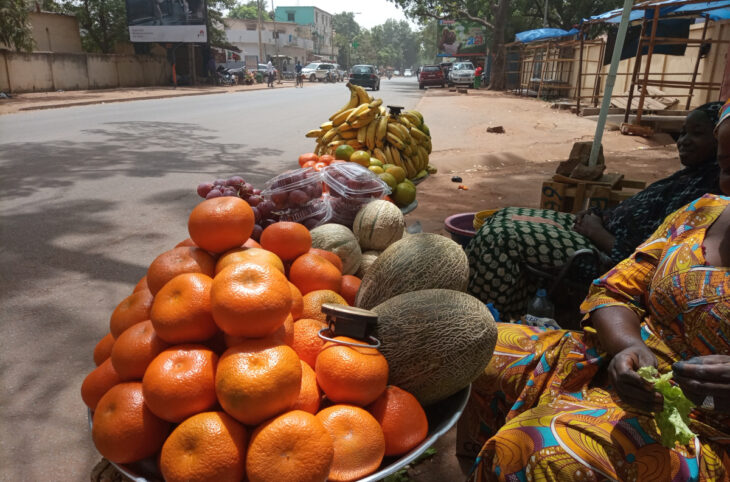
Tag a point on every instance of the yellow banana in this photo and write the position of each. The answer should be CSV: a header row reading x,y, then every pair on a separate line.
x,y
398,131
348,135
335,144
313,133
409,167
355,144
380,155
356,112
328,136
418,134
412,118
363,120
388,155
396,157
362,96
381,130
403,120
326,126
394,140
376,103
361,134
341,117
370,134
424,157
383,110
428,146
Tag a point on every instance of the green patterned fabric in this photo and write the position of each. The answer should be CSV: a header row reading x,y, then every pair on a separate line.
x,y
503,244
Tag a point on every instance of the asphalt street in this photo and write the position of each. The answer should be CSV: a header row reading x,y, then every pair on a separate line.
x,y
89,197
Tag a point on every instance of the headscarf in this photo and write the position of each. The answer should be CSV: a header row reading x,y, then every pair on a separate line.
x,y
723,114
711,110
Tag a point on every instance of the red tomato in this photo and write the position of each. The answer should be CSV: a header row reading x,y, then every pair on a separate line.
x,y
327,159
310,156
309,164
318,166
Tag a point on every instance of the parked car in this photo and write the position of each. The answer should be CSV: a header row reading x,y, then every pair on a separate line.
x,y
309,71
365,76
407,73
446,68
431,75
462,73
396,72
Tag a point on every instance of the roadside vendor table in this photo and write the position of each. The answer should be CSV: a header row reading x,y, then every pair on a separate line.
x,y
566,194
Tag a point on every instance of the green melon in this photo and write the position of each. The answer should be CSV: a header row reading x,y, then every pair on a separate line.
x,y
436,341
341,241
367,260
418,262
378,225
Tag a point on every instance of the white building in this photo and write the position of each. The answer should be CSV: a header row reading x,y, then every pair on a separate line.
x,y
294,41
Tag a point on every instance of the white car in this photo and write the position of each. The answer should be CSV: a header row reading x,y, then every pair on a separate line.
x,y
462,73
407,73
317,70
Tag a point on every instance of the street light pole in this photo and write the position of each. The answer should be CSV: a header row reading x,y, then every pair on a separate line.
x,y
544,20
258,28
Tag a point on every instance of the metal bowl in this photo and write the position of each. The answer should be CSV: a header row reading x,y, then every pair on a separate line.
x,y
441,417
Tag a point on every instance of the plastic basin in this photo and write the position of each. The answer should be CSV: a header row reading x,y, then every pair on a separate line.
x,y
461,227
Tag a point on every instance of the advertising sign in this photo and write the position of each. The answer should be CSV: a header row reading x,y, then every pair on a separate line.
x,y
457,38
167,21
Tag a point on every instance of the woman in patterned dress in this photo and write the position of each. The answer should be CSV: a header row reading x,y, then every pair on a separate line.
x,y
540,237
561,405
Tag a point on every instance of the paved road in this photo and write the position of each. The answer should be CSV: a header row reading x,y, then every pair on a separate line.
x,y
89,196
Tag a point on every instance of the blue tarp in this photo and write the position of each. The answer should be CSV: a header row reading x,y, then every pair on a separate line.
x,y
543,34
719,10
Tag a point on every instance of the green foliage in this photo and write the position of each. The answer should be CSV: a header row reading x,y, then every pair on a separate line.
x,y
15,31
673,420
244,11
103,22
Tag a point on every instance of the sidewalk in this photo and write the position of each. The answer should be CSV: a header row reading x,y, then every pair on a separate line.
x,y
50,100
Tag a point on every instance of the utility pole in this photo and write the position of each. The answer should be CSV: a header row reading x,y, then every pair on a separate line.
x,y
276,42
258,28
544,20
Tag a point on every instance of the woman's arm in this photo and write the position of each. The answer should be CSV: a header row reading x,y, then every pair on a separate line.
x,y
591,226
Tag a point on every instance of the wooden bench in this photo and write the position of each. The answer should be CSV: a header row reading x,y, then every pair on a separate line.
x,y
561,193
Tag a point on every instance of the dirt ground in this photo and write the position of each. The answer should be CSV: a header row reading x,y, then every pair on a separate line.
x,y
499,170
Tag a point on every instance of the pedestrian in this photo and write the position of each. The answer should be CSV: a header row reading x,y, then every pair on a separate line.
x,y
211,70
270,74
478,77
300,79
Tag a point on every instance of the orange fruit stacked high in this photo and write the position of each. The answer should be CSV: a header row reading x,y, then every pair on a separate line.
x,y
307,342
98,382
311,272
135,349
402,418
178,261
250,255
286,240
221,223
348,288
312,303
132,309
309,394
329,256
103,349
181,312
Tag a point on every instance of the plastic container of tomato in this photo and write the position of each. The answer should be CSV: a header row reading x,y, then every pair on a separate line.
x,y
350,187
293,190
442,416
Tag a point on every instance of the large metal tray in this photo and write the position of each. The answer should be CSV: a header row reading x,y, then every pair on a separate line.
x,y
441,417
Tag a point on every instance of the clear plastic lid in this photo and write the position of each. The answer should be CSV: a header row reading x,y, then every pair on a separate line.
x,y
317,208
350,180
293,189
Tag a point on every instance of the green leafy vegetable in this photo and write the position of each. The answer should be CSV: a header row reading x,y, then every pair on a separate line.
x,y
673,420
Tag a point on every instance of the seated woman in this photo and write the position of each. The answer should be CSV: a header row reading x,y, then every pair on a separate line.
x,y
561,405
546,239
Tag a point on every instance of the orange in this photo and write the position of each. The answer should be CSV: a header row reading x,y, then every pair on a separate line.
x,y
178,261
309,156
348,288
180,382
186,242
329,256
257,380
207,446
141,285
307,342
251,243
181,312
124,428
245,255
98,382
350,374
103,349
221,223
132,309
402,418
135,348
250,300
358,441
296,302
293,447
311,272
313,303
283,335
309,393
287,240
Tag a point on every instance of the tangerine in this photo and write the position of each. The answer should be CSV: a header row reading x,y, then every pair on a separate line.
x,y
310,272
250,300
207,446
221,223
312,303
293,447
141,284
180,382
135,348
103,349
297,305
348,288
251,243
181,312
186,242
329,256
178,261
309,392
131,310
286,239
98,382
248,255
257,379
283,335
307,342
402,418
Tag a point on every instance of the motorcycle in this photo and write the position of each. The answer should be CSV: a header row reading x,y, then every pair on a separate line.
x,y
225,77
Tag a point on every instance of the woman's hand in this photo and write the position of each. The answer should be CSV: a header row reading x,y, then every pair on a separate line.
x,y
704,376
588,224
633,389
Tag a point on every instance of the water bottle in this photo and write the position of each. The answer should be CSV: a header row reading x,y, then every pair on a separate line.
x,y
540,306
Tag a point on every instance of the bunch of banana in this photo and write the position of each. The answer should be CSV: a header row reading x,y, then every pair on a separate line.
x,y
363,123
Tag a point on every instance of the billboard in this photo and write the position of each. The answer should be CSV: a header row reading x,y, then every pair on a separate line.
x,y
167,21
457,38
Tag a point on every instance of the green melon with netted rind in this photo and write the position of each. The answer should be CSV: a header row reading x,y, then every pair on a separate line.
x,y
436,341
341,241
418,262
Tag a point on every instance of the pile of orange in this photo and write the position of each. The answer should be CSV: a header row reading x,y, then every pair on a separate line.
x,y
213,368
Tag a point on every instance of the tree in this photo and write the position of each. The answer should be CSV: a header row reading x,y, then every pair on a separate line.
x,y
15,31
103,23
244,11
346,29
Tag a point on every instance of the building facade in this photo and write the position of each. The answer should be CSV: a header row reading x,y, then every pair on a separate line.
x,y
320,23
286,40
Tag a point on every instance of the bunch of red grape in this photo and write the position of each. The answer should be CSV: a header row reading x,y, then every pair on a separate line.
x,y
238,187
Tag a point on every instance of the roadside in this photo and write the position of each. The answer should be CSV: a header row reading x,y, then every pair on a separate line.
x,y
70,98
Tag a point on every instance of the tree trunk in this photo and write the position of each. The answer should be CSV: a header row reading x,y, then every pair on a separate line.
x,y
496,77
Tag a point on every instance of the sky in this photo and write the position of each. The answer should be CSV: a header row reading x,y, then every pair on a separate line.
x,y
371,12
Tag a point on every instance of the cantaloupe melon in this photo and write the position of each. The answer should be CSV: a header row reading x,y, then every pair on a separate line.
x,y
418,262
341,241
378,224
368,258
436,341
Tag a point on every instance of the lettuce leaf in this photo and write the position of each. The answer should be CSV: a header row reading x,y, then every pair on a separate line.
x,y
673,420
